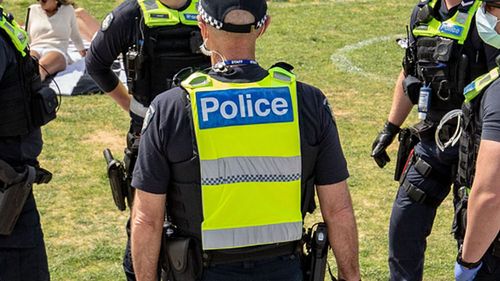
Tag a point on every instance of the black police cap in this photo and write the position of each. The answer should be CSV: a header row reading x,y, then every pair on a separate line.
x,y
213,12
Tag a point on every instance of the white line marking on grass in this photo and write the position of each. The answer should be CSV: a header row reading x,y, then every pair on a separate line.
x,y
341,61
281,4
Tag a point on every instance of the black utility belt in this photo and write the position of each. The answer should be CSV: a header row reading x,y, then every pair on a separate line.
x,y
215,257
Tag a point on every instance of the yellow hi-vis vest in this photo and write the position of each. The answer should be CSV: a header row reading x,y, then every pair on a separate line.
x,y
248,142
18,36
156,14
455,28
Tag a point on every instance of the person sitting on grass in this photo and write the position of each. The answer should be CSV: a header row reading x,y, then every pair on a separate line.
x,y
52,23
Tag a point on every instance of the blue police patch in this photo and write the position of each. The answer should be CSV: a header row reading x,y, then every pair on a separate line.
x,y
452,29
190,16
235,107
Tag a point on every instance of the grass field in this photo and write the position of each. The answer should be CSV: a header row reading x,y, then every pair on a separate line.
x,y
345,47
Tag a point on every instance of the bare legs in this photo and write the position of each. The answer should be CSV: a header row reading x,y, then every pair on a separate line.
x,y
87,24
50,63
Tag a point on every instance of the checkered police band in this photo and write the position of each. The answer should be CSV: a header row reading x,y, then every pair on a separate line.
x,y
229,27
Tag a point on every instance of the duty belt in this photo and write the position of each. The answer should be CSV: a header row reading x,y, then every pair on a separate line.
x,y
216,257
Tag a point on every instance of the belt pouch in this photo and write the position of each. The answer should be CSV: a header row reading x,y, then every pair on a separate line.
x,y
184,258
44,106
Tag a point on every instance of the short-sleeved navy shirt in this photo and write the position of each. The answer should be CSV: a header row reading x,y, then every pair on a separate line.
x,y
490,112
114,38
168,137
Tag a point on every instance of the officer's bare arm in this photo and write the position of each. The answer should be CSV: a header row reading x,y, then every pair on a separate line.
x,y
121,96
147,224
483,214
401,104
336,208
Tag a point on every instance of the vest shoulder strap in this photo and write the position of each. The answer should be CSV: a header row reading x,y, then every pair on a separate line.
x,y
202,80
156,14
15,33
477,86
456,28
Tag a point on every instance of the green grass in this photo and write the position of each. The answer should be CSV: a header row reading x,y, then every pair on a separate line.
x,y
85,234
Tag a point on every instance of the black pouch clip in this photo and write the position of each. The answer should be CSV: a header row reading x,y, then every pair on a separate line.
x,y
184,258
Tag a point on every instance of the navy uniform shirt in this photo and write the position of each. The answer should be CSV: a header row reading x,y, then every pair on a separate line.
x,y
489,113
167,137
118,32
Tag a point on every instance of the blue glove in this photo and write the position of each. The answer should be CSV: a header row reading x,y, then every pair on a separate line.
x,y
465,274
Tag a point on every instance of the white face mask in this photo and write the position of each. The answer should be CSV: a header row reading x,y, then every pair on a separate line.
x,y
486,24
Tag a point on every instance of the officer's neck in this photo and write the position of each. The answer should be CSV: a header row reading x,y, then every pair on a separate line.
x,y
233,50
451,3
174,4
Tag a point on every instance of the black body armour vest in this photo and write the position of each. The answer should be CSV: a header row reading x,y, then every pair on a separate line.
x,y
164,52
184,204
446,66
469,142
469,150
17,90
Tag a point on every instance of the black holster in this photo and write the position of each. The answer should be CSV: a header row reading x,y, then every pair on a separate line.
x,y
408,138
120,173
14,191
116,176
315,256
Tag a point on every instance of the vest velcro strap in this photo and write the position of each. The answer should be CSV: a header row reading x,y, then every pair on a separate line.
x,y
217,257
426,170
418,195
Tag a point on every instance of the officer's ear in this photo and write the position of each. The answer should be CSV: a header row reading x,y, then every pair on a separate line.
x,y
264,27
203,27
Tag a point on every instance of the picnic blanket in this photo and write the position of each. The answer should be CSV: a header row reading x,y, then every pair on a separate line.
x,y
75,80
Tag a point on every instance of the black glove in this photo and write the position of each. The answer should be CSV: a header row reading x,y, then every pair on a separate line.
x,y
383,140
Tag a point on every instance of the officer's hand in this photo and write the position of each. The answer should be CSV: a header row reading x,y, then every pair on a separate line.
x,y
465,274
383,140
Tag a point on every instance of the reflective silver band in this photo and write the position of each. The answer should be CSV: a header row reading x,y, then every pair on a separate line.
x,y
150,4
137,108
251,236
250,169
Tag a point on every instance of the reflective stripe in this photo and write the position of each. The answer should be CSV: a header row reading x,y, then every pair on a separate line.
x,y
250,169
249,236
150,4
137,108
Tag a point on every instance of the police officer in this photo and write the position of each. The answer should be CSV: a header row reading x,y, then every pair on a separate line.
x,y
444,54
479,258
236,153
22,249
157,39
